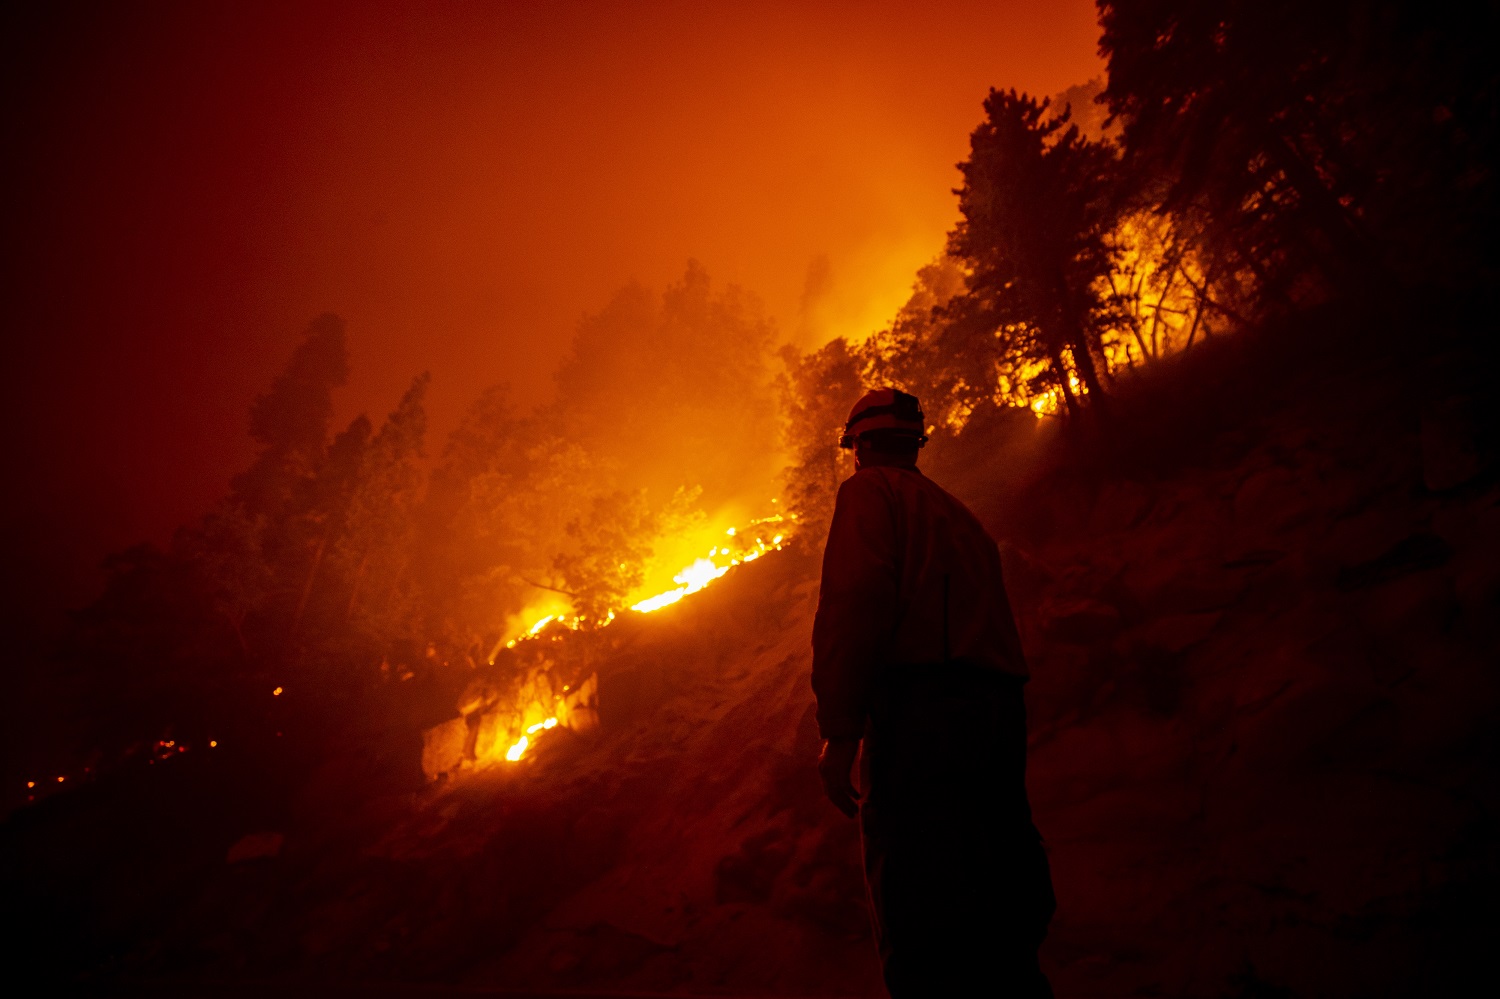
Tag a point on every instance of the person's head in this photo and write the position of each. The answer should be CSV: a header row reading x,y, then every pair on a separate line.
x,y
885,428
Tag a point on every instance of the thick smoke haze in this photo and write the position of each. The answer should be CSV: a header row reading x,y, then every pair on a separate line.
x,y
191,184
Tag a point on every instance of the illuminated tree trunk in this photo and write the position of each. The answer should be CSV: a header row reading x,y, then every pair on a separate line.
x,y
307,588
1084,359
359,576
1077,339
236,623
1193,329
1055,355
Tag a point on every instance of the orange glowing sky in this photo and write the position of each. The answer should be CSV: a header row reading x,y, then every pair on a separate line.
x,y
460,182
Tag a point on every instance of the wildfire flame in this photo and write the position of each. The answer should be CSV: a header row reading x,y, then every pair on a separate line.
x,y
692,578
706,569
1050,402
702,571
518,750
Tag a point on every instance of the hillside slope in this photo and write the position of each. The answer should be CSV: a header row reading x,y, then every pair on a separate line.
x,y
1261,616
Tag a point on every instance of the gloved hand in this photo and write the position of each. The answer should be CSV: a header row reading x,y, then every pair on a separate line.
x,y
836,767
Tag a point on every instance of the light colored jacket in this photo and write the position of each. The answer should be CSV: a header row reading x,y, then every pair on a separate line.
x,y
910,579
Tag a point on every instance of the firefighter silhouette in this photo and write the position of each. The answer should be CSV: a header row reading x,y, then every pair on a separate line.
x,y
916,656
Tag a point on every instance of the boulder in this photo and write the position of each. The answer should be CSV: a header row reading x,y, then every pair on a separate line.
x,y
1197,585
443,747
1270,501
1178,632
1418,552
1120,505
580,706
1078,620
498,731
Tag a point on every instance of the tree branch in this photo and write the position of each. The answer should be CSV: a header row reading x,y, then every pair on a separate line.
x,y
544,586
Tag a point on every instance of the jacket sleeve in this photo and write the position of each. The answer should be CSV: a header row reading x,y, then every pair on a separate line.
x,y
856,618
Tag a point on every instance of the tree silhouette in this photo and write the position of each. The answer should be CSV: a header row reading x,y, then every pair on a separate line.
x,y
290,422
1321,141
375,546
1037,205
680,383
226,549
324,517
816,391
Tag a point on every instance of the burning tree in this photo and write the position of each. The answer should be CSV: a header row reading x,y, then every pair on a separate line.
x,y
613,541
1162,292
924,352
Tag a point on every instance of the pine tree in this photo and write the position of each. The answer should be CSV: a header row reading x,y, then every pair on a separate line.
x,y
375,545
1038,202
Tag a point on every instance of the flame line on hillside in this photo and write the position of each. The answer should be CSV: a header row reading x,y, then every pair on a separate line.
x,y
694,577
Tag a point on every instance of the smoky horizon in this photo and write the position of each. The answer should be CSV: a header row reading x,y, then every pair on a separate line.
x,y
468,189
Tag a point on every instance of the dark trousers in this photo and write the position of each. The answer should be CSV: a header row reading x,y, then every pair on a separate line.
x,y
959,884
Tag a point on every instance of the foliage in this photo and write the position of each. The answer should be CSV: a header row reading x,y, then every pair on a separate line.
x,y
1161,291
1313,146
225,547
676,388
290,422
926,353
612,543
374,546
816,391
1037,204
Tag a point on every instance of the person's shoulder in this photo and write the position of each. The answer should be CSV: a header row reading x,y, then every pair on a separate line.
x,y
916,479
954,502
865,479
865,485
